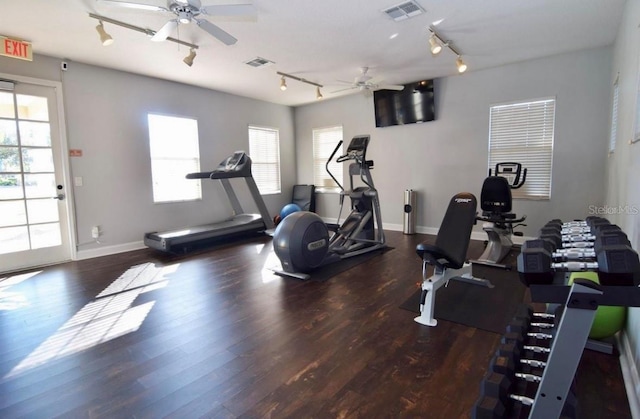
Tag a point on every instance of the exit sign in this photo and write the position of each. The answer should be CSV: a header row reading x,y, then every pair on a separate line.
x,y
15,48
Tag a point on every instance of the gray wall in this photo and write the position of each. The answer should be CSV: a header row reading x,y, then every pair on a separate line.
x,y
106,113
449,155
623,172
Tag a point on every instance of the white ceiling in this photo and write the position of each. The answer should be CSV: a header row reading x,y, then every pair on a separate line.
x,y
319,40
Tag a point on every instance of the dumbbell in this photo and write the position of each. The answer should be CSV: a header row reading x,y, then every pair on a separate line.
x,y
500,398
553,242
588,233
589,221
525,311
616,265
510,359
538,344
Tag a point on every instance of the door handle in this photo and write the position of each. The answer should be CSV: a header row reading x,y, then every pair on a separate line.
x,y
60,196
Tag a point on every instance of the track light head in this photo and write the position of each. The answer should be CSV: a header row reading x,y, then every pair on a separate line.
x,y
462,67
283,84
188,60
318,93
435,46
105,38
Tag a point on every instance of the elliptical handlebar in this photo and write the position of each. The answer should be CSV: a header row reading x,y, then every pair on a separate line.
x,y
326,166
524,177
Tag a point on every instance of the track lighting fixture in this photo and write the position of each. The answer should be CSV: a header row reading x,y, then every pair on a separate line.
x,y
188,60
105,38
283,83
462,67
437,43
436,48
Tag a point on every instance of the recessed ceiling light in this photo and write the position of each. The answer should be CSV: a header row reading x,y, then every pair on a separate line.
x,y
393,36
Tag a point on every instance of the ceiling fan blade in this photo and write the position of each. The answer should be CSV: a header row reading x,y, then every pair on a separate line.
x,y
389,87
195,3
229,10
216,32
130,5
165,31
345,89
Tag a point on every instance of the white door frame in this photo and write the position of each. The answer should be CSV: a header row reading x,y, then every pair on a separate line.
x,y
64,158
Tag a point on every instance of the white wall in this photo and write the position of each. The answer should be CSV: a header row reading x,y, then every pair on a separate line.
x,y
449,155
623,168
106,114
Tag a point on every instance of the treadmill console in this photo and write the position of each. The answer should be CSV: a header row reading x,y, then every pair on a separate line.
x,y
232,163
358,144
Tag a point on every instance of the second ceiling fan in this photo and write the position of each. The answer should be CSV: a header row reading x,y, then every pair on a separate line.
x,y
366,83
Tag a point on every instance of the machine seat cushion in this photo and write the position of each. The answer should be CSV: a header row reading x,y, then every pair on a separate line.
x,y
496,195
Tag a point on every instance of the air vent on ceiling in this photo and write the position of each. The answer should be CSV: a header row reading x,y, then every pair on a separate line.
x,y
259,62
404,10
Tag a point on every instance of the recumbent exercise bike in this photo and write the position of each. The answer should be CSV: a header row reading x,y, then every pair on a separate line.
x,y
304,242
498,220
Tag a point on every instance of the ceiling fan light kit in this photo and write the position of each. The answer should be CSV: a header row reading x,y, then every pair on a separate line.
x,y
436,43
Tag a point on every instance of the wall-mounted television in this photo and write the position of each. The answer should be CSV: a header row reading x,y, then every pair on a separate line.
x,y
413,104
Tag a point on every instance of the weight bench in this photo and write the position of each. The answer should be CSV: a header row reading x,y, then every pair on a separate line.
x,y
448,255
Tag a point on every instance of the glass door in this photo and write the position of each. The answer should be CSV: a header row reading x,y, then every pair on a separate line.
x,y
34,228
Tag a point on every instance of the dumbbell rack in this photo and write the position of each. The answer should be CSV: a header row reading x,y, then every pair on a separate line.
x,y
581,301
617,267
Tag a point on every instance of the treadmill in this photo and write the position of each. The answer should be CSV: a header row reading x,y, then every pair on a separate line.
x,y
238,165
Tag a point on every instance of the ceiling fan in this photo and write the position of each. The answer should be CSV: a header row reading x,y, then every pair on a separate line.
x,y
187,11
364,82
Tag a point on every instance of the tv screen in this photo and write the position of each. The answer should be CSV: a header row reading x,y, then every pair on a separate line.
x,y
414,104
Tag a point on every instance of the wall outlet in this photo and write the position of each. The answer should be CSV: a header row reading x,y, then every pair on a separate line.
x,y
95,232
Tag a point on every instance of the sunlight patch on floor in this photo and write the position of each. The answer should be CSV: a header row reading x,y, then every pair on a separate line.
x,y
13,300
110,315
271,263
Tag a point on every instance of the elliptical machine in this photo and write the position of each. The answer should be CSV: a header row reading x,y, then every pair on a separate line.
x,y
499,221
304,242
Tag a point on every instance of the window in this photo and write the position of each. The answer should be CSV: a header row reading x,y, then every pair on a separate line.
x,y
523,132
325,141
173,143
614,118
264,149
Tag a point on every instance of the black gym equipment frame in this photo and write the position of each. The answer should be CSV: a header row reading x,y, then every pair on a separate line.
x,y
238,165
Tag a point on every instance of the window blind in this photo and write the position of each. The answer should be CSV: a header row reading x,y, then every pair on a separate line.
x,y
523,132
264,150
324,142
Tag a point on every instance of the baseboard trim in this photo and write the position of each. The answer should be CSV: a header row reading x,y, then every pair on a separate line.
x,y
109,250
629,373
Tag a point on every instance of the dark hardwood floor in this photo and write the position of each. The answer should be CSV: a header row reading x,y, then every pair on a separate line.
x,y
213,334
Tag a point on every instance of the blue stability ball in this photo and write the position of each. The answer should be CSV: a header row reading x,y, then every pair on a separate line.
x,y
289,209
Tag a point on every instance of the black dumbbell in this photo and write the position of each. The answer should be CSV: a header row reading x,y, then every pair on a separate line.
x,y
500,397
616,265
